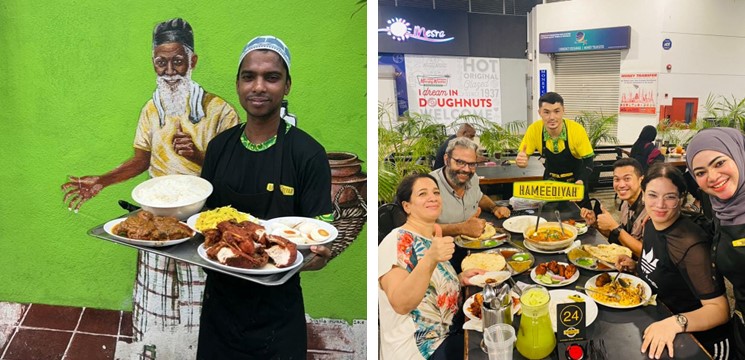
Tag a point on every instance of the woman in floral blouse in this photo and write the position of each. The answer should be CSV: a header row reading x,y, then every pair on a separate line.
x,y
418,287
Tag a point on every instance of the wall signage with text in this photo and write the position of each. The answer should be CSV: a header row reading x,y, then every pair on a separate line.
x,y
585,40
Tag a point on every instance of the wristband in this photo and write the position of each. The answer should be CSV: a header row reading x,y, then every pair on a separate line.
x,y
614,234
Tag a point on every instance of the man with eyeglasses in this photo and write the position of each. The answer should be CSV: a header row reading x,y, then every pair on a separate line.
x,y
562,142
627,183
462,199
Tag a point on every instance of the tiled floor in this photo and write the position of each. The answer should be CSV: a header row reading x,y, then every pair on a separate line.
x,y
46,332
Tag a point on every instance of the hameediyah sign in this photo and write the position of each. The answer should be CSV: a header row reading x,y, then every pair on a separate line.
x,y
548,190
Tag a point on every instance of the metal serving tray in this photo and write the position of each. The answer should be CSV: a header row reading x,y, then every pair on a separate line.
x,y
187,252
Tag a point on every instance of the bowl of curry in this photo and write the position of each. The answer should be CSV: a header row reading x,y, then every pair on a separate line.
x,y
550,236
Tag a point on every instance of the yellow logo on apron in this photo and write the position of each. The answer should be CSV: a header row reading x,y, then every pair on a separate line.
x,y
548,190
286,190
738,242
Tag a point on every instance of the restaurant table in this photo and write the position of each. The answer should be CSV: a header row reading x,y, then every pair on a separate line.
x,y
679,161
509,173
621,329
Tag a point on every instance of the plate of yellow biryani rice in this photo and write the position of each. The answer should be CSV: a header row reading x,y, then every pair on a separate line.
x,y
631,290
209,219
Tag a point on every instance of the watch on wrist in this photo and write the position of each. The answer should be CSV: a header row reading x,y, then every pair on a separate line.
x,y
614,234
682,320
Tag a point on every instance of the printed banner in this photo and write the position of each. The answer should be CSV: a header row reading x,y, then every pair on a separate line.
x,y
638,93
447,87
585,40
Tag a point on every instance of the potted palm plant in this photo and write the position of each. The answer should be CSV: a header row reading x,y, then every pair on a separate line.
x,y
496,139
598,127
406,145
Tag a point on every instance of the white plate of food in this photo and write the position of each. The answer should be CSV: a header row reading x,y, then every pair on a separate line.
x,y
492,276
563,296
112,228
518,224
267,269
473,311
549,274
636,293
528,245
304,232
210,218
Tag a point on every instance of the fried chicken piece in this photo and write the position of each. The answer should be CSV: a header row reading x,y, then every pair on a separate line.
x,y
475,307
554,267
602,280
561,269
230,255
541,269
211,237
569,271
282,251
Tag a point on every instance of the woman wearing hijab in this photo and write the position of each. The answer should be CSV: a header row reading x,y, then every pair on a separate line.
x,y
644,150
716,158
676,263
418,288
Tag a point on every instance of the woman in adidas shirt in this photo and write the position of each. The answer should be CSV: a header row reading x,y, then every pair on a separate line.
x,y
676,263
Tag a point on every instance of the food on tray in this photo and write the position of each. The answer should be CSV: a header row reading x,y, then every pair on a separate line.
x,y
489,232
550,234
607,252
247,245
475,308
628,295
170,191
305,232
485,261
552,273
146,226
575,223
209,219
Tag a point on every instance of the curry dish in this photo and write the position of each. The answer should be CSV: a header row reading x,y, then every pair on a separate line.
x,y
146,226
550,234
628,294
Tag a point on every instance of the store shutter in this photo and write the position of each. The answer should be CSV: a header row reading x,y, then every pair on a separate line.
x,y
589,81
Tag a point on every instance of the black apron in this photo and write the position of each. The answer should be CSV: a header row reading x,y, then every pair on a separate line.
x,y
729,259
561,166
242,319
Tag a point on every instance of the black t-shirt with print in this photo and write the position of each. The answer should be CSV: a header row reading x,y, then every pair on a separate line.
x,y
676,263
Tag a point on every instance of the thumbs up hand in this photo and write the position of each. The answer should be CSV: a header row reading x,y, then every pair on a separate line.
x,y
605,220
442,247
522,157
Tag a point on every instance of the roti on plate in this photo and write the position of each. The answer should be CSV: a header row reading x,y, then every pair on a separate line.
x,y
608,252
489,232
485,261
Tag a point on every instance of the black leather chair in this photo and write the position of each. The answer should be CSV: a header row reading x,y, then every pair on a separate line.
x,y
390,216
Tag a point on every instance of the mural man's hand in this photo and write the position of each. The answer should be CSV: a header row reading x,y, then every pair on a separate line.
x,y
183,145
80,189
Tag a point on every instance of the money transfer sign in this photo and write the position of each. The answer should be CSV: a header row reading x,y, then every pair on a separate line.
x,y
548,190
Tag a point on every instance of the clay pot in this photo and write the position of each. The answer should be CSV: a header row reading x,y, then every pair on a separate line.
x,y
346,169
358,181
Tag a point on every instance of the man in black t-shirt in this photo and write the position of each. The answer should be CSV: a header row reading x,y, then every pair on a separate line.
x,y
270,169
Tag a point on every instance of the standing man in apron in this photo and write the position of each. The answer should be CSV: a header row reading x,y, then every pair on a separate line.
x,y
562,142
270,169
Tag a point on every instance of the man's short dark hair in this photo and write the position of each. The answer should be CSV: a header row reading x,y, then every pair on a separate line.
x,y
629,162
551,98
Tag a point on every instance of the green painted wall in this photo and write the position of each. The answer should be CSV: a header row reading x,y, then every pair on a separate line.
x,y
73,78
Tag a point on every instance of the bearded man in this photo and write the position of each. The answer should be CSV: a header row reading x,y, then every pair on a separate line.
x,y
173,131
462,199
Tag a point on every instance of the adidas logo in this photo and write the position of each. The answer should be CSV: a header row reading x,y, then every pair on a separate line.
x,y
648,262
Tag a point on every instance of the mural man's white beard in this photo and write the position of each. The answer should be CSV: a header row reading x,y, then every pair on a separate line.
x,y
174,97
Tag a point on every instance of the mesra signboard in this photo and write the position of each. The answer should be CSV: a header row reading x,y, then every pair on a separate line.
x,y
585,40
421,31
446,87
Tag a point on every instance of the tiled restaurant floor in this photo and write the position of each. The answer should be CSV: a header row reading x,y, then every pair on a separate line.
x,y
47,332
